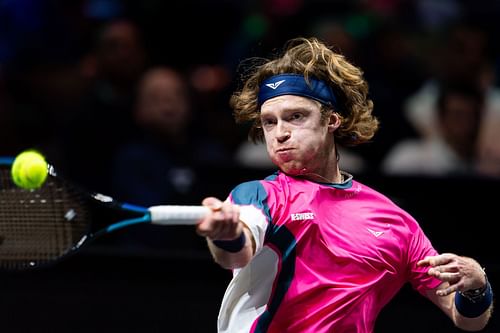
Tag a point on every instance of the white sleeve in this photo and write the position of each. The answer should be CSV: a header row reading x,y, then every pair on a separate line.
x,y
256,221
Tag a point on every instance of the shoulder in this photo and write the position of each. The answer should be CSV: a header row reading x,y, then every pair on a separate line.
x,y
381,202
249,192
254,190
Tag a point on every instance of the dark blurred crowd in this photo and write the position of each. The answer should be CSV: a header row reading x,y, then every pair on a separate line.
x,y
131,97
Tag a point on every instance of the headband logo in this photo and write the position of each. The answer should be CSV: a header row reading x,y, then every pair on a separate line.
x,y
275,85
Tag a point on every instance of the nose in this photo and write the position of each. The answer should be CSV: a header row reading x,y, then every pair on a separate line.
x,y
282,131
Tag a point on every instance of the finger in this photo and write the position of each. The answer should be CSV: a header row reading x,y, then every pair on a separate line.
x,y
423,262
446,268
229,230
209,225
231,213
445,276
205,227
446,291
229,209
219,223
236,213
451,288
213,203
428,261
441,259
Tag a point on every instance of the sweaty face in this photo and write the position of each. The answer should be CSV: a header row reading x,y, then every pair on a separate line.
x,y
297,140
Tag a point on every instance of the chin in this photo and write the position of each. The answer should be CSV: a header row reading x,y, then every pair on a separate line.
x,y
291,167
292,170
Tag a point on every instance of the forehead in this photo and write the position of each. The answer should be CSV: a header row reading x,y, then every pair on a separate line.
x,y
289,102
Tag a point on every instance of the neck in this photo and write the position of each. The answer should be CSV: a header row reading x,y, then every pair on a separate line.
x,y
323,168
335,176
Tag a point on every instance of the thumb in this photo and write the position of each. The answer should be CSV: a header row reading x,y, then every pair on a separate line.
x,y
213,203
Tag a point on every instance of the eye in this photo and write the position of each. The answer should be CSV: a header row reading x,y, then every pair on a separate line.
x,y
267,122
296,116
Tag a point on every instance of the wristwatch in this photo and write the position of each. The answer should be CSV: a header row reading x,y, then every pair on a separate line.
x,y
477,294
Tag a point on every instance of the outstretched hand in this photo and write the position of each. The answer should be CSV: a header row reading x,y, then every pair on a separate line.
x,y
223,223
462,273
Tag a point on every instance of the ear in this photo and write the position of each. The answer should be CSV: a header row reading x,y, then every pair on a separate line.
x,y
334,122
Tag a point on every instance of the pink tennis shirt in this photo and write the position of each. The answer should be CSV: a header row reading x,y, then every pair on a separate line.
x,y
328,257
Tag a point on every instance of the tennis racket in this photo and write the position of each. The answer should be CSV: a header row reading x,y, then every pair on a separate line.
x,y
40,227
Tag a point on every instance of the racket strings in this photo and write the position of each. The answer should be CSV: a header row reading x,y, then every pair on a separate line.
x,y
38,226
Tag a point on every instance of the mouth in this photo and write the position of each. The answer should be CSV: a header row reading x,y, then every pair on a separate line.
x,y
284,155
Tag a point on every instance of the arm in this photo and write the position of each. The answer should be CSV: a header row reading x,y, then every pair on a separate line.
x,y
229,239
459,275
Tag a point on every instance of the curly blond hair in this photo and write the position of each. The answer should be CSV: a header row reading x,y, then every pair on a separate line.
x,y
312,58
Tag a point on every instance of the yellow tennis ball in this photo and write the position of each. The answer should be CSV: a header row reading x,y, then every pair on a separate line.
x,y
29,170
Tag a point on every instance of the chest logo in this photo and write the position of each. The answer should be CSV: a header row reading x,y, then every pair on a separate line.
x,y
375,233
302,216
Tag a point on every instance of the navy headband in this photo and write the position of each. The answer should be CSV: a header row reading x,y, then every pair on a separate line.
x,y
296,84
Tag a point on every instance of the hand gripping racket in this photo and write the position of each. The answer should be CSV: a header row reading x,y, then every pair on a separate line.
x,y
39,227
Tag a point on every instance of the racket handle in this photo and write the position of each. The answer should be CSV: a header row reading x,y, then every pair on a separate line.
x,y
174,215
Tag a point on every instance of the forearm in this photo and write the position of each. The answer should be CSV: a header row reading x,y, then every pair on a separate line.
x,y
465,294
473,324
232,260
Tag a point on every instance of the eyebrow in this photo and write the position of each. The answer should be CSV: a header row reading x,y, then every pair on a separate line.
x,y
308,109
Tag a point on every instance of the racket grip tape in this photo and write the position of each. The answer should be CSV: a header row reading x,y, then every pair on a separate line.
x,y
177,214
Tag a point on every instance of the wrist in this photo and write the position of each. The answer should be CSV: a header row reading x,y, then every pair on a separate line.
x,y
476,294
474,302
234,245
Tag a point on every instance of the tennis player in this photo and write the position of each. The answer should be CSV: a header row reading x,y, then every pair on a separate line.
x,y
311,248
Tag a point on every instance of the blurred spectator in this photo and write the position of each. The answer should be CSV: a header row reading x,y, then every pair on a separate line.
x,y
117,58
39,46
103,118
38,99
452,150
395,71
159,165
434,14
211,85
465,57
377,39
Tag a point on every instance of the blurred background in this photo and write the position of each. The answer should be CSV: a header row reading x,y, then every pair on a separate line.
x,y
130,98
